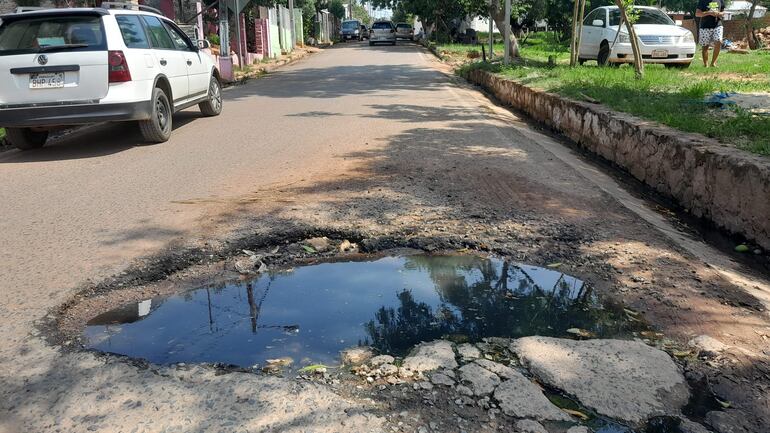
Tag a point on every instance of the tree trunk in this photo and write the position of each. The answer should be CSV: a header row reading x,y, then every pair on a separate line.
x,y
750,36
573,48
581,16
498,16
638,61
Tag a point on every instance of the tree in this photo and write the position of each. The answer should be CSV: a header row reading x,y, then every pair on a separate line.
x,y
628,16
337,9
495,9
751,36
359,12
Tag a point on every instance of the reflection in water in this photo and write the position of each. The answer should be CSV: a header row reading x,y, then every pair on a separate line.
x,y
482,297
315,311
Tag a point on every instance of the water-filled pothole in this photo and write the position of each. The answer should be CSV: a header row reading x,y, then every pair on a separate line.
x,y
391,303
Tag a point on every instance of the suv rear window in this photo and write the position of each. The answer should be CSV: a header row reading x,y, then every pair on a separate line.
x,y
350,25
381,26
52,33
403,26
133,31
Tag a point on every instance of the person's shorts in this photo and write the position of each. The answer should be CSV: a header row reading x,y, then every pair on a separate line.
x,y
707,37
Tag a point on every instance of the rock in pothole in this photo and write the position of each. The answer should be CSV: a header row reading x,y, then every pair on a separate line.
x,y
430,356
356,355
625,380
501,370
520,398
479,379
442,379
530,426
468,352
381,359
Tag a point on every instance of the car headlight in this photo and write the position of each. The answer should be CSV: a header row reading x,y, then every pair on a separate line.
x,y
688,38
624,38
356,32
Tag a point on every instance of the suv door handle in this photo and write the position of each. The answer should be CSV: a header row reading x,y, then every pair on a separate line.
x,y
163,62
189,63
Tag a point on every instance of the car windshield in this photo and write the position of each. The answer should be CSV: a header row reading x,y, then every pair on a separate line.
x,y
646,16
52,33
381,26
350,25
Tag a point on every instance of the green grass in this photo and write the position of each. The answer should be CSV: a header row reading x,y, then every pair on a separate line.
x,y
673,97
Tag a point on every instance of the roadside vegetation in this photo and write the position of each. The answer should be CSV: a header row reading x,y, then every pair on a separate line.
x,y
671,96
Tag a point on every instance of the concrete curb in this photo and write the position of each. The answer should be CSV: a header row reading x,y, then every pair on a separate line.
x,y
709,179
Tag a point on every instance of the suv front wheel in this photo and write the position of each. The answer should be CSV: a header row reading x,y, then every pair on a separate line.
x,y
26,138
213,105
157,129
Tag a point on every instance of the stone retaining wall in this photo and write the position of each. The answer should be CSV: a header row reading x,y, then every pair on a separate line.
x,y
709,179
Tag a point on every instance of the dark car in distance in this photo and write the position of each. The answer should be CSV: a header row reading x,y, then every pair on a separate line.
x,y
350,30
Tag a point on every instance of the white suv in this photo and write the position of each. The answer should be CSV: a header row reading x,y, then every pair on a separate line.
x,y
75,66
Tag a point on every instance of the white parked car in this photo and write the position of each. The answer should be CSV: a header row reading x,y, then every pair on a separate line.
x,y
74,66
662,40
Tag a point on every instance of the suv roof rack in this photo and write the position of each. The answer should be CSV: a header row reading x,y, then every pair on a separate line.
x,y
126,5
21,9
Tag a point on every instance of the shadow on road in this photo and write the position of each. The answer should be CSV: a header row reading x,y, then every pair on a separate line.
x,y
343,80
92,141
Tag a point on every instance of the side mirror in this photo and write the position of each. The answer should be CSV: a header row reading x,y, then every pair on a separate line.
x,y
678,22
597,23
203,44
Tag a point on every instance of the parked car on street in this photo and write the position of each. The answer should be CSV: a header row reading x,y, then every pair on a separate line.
x,y
404,31
383,32
662,41
364,32
350,30
74,66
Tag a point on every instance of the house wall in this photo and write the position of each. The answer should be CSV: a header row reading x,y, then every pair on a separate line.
x,y
734,30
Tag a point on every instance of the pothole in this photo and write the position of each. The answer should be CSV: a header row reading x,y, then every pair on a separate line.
x,y
308,314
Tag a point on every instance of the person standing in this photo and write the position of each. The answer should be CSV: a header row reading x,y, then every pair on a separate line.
x,y
710,32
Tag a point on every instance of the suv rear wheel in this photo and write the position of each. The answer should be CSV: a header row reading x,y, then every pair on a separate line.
x,y
26,138
213,105
157,128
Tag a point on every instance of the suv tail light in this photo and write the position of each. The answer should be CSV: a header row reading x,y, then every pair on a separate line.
x,y
118,67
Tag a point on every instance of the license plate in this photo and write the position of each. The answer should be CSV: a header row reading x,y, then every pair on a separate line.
x,y
659,54
51,80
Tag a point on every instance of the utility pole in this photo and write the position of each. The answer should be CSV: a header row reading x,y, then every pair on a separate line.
x,y
238,32
224,31
507,30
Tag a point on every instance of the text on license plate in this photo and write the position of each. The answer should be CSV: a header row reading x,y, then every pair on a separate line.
x,y
659,54
49,80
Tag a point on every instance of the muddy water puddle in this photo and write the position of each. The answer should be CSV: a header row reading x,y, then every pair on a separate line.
x,y
312,312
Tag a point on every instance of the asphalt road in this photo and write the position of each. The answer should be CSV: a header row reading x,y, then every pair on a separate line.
x,y
376,139
86,204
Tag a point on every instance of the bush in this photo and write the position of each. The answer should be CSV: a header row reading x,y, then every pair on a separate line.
x,y
474,54
214,39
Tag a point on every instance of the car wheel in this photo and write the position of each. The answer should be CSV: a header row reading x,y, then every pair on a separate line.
x,y
26,138
604,54
213,105
371,44
581,61
157,128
